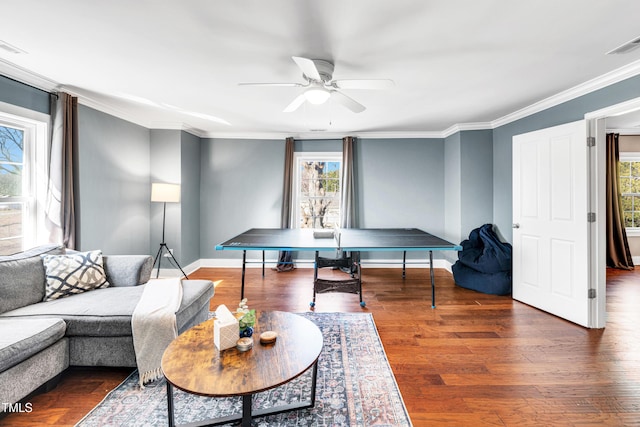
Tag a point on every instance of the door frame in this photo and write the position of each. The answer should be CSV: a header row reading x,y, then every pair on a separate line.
x,y
596,127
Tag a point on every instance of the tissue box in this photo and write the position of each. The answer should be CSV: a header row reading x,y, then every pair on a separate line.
x,y
226,329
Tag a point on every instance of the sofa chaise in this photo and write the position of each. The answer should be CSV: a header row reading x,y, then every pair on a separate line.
x,y
40,339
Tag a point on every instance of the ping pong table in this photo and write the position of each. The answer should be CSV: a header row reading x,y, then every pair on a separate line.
x,y
346,240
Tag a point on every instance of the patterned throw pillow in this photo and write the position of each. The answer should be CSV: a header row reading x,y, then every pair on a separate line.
x,y
72,274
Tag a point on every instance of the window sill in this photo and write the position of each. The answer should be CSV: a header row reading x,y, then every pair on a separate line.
x,y
633,232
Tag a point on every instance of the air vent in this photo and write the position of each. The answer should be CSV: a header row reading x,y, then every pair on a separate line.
x,y
10,48
626,48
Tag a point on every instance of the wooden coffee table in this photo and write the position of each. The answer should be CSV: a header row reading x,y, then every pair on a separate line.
x,y
193,364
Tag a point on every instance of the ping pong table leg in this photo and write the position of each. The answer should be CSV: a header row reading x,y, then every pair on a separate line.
x,y
433,282
244,267
315,277
262,263
404,261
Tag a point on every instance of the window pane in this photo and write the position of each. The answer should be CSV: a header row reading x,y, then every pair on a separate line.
x,y
628,219
627,203
10,180
11,145
625,168
11,161
625,185
10,228
319,194
635,168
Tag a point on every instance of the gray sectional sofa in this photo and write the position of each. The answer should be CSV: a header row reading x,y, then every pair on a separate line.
x,y
39,340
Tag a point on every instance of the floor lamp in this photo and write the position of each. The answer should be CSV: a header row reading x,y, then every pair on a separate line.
x,y
165,193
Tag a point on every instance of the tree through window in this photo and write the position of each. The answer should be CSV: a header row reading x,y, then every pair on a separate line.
x,y
12,179
629,177
317,190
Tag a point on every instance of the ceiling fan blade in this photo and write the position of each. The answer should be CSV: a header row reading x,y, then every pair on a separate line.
x,y
350,103
372,84
273,84
295,104
308,67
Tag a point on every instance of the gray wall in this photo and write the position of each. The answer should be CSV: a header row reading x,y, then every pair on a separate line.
x,y
15,93
429,183
240,188
400,183
165,168
468,196
114,188
564,113
452,190
190,198
175,159
476,186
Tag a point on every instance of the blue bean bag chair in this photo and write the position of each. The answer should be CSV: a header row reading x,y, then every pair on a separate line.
x,y
484,263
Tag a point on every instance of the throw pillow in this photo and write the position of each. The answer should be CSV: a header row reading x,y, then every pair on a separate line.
x,y
73,274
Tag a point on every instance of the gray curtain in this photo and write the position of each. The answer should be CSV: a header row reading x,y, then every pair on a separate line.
x,y
60,203
348,185
348,218
285,260
618,253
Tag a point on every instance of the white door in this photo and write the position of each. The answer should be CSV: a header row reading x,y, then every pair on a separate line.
x,y
551,228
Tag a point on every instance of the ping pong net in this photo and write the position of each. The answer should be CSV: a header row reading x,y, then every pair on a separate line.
x,y
328,233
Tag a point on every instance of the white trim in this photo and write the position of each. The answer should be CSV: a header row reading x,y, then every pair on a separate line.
x,y
629,156
633,232
636,260
630,70
625,131
34,126
303,156
174,272
615,76
31,78
615,110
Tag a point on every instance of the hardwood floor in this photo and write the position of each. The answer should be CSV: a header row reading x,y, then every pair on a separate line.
x,y
476,360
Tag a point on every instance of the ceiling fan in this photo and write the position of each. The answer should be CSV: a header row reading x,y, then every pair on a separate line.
x,y
319,85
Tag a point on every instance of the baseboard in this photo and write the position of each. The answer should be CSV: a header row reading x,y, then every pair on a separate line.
x,y
636,260
174,272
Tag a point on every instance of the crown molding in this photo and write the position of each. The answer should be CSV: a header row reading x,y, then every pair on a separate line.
x,y
20,74
600,82
325,135
41,82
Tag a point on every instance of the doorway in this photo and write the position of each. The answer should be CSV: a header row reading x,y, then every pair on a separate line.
x,y
597,124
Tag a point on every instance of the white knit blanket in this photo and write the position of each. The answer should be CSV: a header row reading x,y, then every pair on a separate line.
x,y
153,325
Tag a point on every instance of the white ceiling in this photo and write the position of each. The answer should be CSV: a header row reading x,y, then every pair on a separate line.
x,y
455,63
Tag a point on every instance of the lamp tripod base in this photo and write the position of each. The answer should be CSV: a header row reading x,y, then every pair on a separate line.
x,y
158,260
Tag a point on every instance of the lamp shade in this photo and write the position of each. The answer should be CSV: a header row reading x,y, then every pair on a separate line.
x,y
161,192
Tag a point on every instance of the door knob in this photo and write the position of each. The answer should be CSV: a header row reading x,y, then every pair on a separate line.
x,y
516,225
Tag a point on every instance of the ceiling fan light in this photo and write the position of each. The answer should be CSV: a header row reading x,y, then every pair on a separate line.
x,y
317,95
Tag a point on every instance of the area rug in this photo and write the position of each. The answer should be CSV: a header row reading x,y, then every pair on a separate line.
x,y
355,387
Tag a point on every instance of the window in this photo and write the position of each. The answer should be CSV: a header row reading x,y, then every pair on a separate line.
x,y
18,208
316,192
630,190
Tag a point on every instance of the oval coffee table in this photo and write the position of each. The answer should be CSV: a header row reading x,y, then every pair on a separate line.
x,y
193,364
